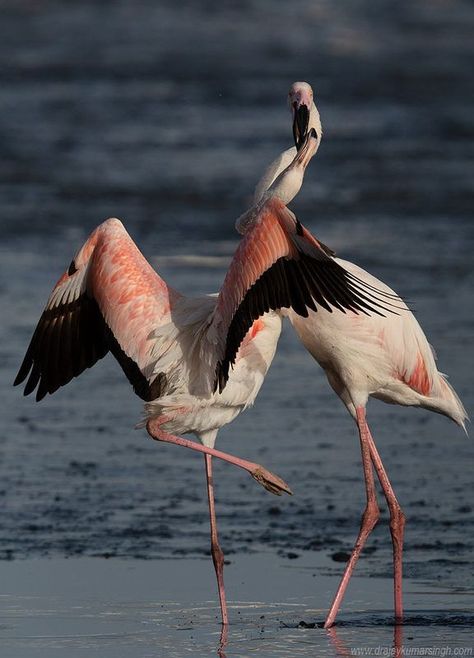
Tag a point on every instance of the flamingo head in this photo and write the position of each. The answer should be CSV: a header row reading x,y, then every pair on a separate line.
x,y
300,99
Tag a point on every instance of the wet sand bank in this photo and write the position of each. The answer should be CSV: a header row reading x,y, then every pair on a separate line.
x,y
167,608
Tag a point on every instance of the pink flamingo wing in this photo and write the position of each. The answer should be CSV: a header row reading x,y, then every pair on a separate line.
x,y
110,299
279,264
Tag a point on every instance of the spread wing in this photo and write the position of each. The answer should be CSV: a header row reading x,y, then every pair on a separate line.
x,y
110,299
279,264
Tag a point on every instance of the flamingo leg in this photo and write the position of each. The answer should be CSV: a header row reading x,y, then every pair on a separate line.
x,y
397,527
369,517
223,641
266,478
216,551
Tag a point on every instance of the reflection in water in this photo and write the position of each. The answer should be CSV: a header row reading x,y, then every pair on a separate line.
x,y
224,638
167,124
398,639
341,649
87,137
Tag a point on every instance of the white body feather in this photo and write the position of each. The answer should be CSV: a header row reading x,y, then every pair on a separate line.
x,y
177,350
388,358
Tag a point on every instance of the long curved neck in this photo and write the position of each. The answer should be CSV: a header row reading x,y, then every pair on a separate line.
x,y
286,185
286,157
284,177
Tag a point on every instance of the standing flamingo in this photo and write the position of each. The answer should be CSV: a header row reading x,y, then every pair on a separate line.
x,y
384,356
178,352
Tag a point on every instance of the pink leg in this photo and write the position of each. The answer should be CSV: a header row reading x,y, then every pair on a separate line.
x,y
223,641
216,551
369,517
268,480
397,527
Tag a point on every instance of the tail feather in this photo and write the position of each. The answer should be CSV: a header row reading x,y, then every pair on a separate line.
x,y
449,403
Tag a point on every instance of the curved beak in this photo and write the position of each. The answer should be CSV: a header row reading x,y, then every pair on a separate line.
x,y
300,124
307,148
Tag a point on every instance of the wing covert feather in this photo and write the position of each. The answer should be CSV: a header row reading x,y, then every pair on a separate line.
x,y
109,299
280,264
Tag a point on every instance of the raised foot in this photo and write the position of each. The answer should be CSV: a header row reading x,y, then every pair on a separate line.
x,y
270,481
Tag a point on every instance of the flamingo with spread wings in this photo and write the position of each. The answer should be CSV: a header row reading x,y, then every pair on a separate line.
x,y
386,356
196,362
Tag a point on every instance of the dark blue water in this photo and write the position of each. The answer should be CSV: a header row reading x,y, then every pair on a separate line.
x,y
165,114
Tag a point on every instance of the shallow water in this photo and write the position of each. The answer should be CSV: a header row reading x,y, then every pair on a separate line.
x,y
129,608
78,480
165,116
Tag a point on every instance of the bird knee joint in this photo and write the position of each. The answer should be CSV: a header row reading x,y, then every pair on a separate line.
x,y
153,427
217,556
371,514
397,519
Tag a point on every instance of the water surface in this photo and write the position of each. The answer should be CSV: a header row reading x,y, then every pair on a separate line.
x,y
165,115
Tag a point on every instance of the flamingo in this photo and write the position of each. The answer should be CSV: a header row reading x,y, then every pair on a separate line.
x,y
387,357
306,118
196,362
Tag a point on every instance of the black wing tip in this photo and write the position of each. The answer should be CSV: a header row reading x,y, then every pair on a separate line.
x,y
390,297
58,353
366,298
32,382
18,380
40,395
222,375
306,283
25,368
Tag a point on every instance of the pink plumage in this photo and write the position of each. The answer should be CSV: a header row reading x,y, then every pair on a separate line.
x,y
386,356
177,351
